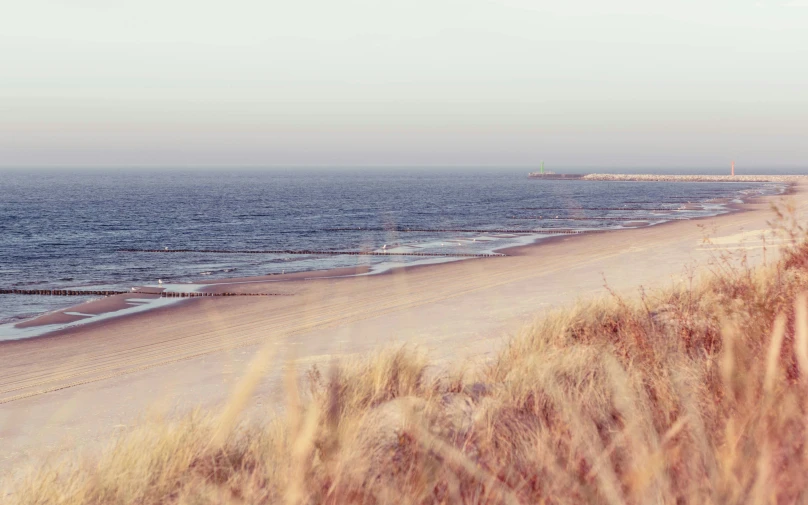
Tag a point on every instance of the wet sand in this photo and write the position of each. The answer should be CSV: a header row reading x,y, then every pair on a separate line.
x,y
80,385
105,305
218,286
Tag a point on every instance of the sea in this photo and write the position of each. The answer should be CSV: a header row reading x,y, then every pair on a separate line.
x,y
68,229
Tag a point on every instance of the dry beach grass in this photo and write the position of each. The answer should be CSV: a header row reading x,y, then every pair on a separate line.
x,y
694,394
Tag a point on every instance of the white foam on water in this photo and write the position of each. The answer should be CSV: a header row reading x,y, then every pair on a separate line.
x,y
178,288
484,243
390,265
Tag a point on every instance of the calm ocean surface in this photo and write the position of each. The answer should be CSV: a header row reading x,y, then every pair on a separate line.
x,y
64,229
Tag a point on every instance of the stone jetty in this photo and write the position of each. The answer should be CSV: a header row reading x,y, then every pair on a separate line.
x,y
670,178
694,178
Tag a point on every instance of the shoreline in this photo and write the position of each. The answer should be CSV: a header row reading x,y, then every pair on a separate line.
x,y
80,385
103,310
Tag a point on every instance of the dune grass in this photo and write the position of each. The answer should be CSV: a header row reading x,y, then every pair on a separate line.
x,y
694,394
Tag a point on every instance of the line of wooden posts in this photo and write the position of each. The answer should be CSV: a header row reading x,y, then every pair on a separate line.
x,y
314,252
560,231
105,292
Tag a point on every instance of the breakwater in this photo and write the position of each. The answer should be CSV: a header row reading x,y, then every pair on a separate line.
x,y
633,209
62,292
543,218
314,253
172,294
161,294
693,178
670,178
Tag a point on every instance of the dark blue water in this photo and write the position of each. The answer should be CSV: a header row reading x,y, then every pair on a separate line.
x,y
64,230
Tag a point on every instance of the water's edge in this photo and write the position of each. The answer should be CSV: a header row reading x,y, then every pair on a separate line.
x,y
9,331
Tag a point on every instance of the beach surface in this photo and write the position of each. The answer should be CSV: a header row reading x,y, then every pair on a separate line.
x,y
77,387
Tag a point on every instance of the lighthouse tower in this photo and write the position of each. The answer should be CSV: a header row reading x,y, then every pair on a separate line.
x,y
733,169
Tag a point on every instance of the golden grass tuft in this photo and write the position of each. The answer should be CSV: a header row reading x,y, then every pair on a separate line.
x,y
690,395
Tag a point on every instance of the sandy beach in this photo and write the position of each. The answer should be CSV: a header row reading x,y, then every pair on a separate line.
x,y
78,386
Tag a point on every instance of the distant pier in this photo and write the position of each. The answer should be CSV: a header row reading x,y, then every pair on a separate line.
x,y
668,178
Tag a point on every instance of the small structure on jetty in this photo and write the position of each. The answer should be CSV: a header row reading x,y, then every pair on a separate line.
x,y
550,176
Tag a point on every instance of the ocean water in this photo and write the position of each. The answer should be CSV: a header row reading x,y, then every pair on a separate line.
x,y
65,230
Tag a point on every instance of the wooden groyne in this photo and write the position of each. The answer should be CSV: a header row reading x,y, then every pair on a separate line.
x,y
459,230
633,209
62,292
161,294
198,295
314,253
544,218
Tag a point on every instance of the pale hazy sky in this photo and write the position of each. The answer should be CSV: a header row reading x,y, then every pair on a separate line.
x,y
404,82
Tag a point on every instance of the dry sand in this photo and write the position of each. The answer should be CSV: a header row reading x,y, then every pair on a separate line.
x,y
78,386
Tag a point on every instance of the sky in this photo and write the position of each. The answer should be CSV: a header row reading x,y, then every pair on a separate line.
x,y
609,83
